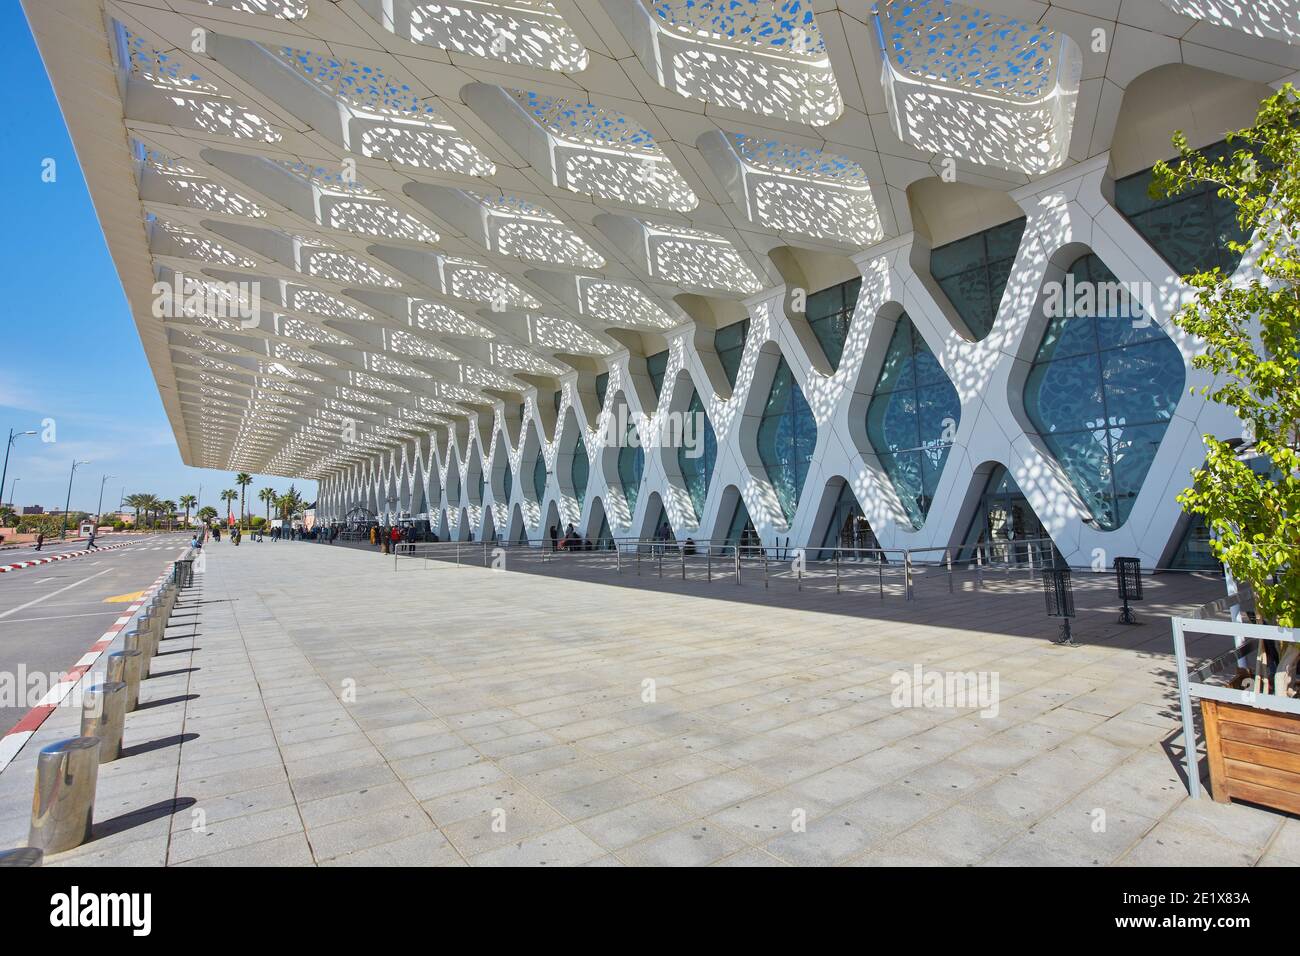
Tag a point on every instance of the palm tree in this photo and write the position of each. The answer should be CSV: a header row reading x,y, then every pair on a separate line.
x,y
228,496
152,507
169,509
187,502
139,501
268,497
290,503
243,479
206,514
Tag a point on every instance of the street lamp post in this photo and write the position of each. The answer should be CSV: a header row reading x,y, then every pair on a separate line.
x,y
63,523
13,492
99,508
4,473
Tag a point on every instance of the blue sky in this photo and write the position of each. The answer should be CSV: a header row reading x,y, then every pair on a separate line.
x,y
73,354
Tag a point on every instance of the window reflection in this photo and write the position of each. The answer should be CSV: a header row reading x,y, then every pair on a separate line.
x,y
912,418
787,438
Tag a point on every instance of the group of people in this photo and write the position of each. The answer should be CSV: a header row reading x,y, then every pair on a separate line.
x,y
572,541
387,538
277,533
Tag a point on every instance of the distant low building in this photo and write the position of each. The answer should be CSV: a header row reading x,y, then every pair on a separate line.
x,y
32,510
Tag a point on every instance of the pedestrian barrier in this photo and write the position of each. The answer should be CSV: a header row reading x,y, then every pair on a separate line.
x,y
124,666
63,807
884,571
103,715
67,771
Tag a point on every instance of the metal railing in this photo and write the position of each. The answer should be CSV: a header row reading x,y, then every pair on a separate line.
x,y
887,569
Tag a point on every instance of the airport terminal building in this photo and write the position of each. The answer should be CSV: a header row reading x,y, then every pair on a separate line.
x,y
834,274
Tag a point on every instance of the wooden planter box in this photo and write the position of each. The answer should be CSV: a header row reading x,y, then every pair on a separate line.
x,y
1253,754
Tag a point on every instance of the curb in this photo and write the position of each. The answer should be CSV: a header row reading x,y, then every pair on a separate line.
x,y
61,557
18,735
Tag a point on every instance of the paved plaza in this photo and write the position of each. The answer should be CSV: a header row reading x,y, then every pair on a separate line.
x,y
324,705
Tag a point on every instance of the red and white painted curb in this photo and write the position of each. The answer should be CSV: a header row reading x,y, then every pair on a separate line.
x,y
21,732
61,557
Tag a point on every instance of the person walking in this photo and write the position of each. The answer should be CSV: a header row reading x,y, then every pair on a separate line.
x,y
40,540
90,542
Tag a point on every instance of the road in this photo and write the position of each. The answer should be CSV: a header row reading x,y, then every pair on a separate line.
x,y
52,613
52,546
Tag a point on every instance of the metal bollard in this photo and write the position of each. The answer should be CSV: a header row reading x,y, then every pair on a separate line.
x,y
135,641
907,574
837,570
63,806
103,715
22,856
124,666
153,628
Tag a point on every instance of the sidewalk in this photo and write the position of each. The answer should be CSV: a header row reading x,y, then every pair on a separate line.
x,y
310,705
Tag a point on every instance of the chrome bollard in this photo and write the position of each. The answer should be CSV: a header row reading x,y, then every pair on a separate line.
x,y
148,628
159,614
136,641
22,856
103,715
124,666
63,805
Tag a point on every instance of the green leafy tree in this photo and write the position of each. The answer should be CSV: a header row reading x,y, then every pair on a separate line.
x,y
207,514
1251,336
290,504
187,502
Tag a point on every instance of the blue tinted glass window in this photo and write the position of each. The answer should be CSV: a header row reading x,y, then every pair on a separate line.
x,y
1005,529
1102,390
579,473
508,480
787,438
911,420
848,530
1194,553
697,464
973,273
729,343
602,386
631,466
655,366
740,530
539,477
1191,230
830,313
